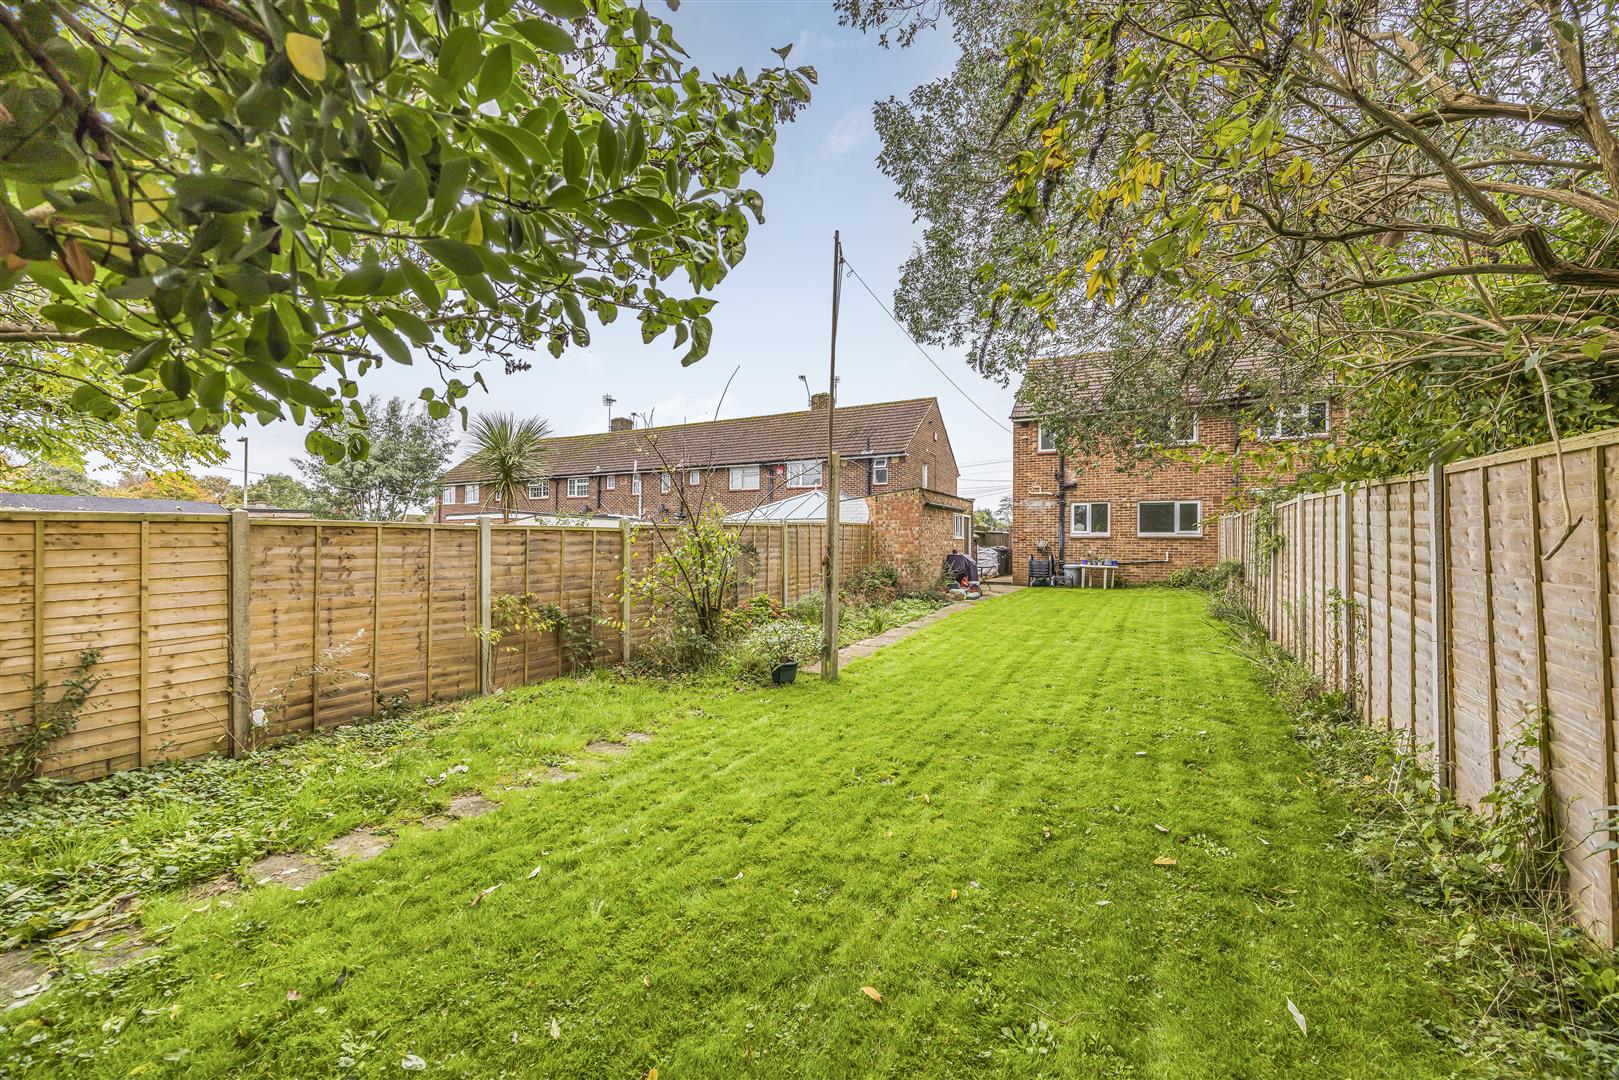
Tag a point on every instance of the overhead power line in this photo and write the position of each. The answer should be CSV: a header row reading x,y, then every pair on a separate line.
x,y
987,414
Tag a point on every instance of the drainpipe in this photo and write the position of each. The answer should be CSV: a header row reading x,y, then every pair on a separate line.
x,y
1062,510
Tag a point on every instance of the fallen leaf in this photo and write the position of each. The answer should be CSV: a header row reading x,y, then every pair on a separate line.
x,y
412,1063
1046,831
476,900
871,992
1141,753
1160,828
307,55
652,1073
556,1029
293,995
1103,903
1298,1017
646,981
534,873
925,797
1262,840
1163,860
953,894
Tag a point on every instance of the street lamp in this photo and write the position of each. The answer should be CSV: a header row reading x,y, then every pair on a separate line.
x,y
243,440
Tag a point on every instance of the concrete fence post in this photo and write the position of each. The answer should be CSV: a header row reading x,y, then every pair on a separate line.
x,y
1439,583
485,602
239,556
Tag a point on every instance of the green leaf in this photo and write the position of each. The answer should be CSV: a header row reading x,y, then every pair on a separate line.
x,y
452,184
496,73
643,24
628,211
410,324
142,358
422,285
455,256
607,149
460,55
563,9
408,196
547,36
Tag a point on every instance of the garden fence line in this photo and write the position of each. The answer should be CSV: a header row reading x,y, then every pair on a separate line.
x,y
201,619
1467,607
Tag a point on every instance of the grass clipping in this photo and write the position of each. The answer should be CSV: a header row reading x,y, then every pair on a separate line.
x,y
1483,890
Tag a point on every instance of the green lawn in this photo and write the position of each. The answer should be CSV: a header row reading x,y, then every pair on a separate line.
x,y
967,823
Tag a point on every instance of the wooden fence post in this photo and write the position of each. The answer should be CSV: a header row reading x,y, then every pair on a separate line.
x,y
241,659
626,537
1346,594
1439,584
485,601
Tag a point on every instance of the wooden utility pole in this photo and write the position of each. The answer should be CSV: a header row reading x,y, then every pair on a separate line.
x,y
834,492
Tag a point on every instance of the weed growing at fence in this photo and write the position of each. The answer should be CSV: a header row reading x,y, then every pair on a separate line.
x,y
1488,884
34,733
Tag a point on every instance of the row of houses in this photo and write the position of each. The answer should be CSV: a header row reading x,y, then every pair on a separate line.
x,y
900,475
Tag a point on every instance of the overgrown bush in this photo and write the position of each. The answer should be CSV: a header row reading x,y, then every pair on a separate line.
x,y
691,586
873,584
1489,883
756,655
1210,578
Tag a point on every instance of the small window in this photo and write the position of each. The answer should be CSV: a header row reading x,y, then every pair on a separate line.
x,y
803,474
611,482
694,477
1307,421
578,487
1047,441
539,489
879,470
1174,430
1169,519
745,478
924,474
1089,519
449,495
472,493
665,483
960,523
635,484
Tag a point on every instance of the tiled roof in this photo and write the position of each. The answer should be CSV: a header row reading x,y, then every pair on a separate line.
x,y
1089,376
882,429
105,504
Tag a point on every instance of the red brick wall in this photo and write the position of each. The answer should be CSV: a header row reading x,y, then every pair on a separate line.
x,y
914,536
1035,499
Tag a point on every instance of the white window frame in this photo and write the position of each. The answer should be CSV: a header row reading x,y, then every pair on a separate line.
x,y
694,477
1271,430
800,471
879,470
539,489
578,487
1190,440
449,495
472,494
665,483
610,481
635,483
744,478
1043,444
958,524
1090,519
1177,504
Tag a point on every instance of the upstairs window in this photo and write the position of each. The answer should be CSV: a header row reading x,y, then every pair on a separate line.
x,y
1307,421
472,493
1089,519
803,474
1046,441
879,470
665,483
635,483
578,487
539,489
694,477
745,478
449,495
611,482
1169,519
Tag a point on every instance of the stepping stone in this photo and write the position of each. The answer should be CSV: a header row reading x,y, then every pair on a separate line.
x,y
361,845
471,805
21,978
610,749
554,775
111,949
294,870
220,886
637,737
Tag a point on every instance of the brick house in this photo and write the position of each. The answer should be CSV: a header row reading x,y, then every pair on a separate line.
x,y
897,454
1154,516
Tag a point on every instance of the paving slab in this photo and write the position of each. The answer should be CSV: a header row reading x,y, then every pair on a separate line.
x,y
294,870
22,978
361,845
607,748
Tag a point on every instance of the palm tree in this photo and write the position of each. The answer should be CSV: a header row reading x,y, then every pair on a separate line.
x,y
506,453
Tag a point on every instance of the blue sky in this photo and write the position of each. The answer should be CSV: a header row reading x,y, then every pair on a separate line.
x,y
772,319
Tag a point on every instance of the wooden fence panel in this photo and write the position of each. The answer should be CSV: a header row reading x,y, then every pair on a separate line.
x,y
1528,550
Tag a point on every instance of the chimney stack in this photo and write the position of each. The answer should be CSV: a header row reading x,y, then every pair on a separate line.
x,y
820,401
620,423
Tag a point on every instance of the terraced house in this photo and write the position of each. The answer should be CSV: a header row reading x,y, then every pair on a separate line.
x,y
1152,516
899,473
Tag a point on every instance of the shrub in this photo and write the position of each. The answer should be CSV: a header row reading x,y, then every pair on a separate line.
x,y
872,585
1210,578
691,585
757,654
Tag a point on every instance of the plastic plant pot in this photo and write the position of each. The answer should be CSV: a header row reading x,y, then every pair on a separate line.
x,y
784,674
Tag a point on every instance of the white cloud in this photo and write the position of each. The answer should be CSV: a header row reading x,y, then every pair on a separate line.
x,y
850,130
